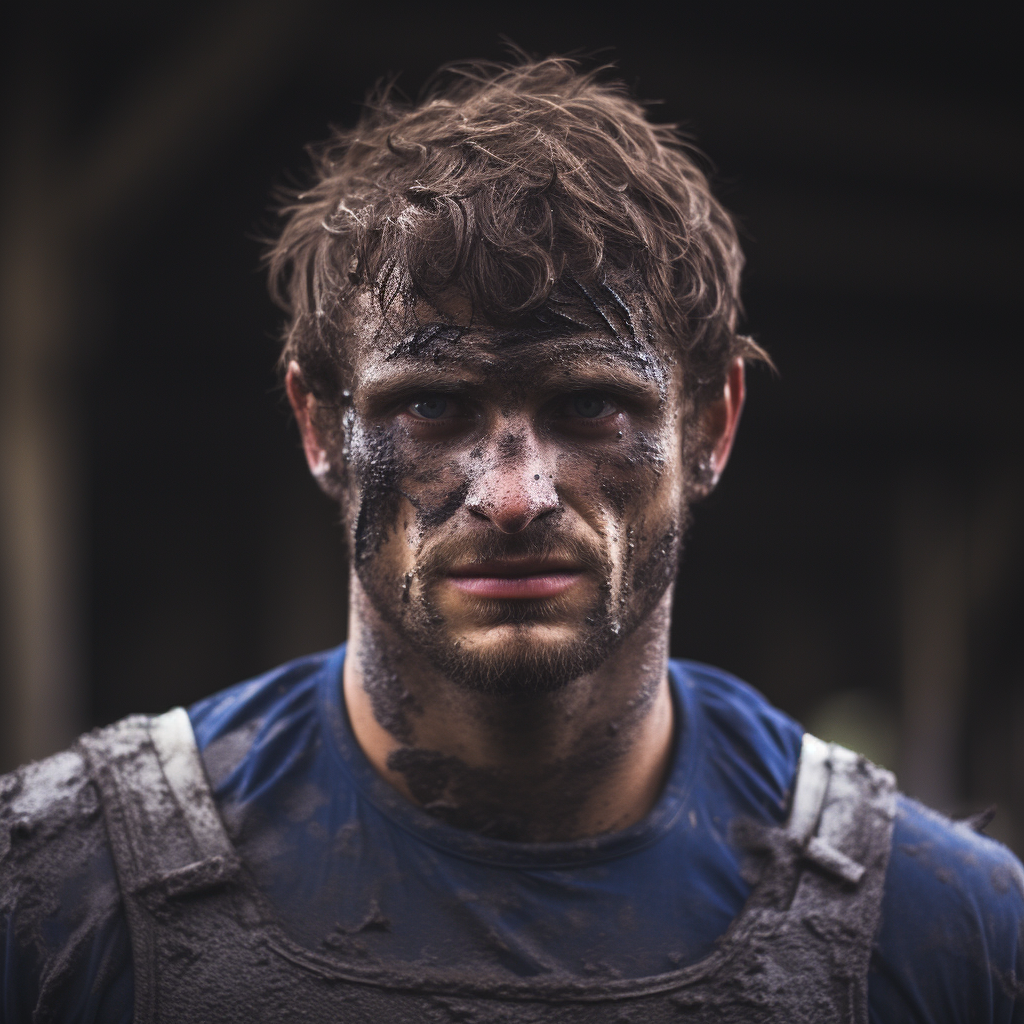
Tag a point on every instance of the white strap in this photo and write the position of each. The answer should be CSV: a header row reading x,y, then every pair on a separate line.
x,y
811,785
176,748
825,807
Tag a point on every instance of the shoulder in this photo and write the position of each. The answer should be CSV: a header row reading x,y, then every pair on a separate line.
x,y
750,748
272,692
61,927
276,709
737,708
951,941
50,826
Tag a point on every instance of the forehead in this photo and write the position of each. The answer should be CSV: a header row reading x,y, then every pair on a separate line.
x,y
426,342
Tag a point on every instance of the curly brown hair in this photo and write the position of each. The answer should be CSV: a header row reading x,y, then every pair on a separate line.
x,y
513,185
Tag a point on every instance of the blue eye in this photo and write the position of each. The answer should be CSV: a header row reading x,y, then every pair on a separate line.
x,y
430,407
589,406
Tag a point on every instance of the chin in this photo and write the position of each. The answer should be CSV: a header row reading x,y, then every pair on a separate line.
x,y
521,659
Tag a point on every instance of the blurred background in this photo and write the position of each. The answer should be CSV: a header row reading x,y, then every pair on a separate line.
x,y
862,562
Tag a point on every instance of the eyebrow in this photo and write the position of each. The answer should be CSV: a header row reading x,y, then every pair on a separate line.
x,y
403,381
602,377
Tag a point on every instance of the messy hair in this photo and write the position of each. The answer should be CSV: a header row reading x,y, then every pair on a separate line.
x,y
515,186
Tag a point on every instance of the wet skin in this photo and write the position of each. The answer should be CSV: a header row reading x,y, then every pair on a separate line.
x,y
515,505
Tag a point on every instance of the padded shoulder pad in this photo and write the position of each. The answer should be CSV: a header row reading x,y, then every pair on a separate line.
x,y
42,802
58,887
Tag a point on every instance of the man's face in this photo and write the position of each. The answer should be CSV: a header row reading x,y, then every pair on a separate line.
x,y
515,501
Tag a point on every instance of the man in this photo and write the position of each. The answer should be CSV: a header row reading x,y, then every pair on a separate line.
x,y
512,356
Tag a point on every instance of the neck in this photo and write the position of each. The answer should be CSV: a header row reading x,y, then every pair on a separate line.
x,y
538,767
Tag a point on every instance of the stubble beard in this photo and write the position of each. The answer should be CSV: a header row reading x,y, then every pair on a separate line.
x,y
521,664
524,664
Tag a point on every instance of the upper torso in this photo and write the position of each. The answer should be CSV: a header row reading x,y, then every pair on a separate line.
x,y
349,866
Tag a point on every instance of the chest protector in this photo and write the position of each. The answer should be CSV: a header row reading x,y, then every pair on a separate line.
x,y
207,948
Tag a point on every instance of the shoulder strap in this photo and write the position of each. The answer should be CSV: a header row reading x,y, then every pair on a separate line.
x,y
165,833
841,829
839,795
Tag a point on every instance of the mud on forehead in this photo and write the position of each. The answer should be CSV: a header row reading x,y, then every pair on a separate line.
x,y
584,324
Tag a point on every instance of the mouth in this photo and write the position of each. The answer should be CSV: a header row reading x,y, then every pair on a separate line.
x,y
516,578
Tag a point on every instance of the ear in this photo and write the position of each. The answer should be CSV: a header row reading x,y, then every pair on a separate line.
x,y
719,420
303,404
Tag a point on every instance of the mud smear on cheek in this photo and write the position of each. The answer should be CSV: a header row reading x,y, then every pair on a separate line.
x,y
632,472
379,472
658,570
630,479
383,471
646,452
621,623
619,494
431,515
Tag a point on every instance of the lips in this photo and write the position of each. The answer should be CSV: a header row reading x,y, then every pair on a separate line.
x,y
506,579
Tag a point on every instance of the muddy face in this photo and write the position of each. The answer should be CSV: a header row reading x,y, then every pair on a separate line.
x,y
516,500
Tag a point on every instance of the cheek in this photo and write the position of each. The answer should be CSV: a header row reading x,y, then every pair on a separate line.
x,y
435,507
641,487
655,566
638,480
377,470
437,490
658,523
399,495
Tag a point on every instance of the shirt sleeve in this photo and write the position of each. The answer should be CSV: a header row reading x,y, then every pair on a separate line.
x,y
950,949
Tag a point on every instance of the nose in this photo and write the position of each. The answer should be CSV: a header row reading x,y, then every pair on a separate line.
x,y
515,487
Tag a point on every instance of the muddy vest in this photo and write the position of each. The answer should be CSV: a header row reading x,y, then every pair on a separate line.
x,y
206,945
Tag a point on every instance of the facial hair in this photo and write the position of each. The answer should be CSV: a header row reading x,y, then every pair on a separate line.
x,y
522,665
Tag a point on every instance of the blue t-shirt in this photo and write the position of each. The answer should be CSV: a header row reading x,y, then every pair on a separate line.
x,y
349,864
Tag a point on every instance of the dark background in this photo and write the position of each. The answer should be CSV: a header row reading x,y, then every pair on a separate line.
x,y
862,562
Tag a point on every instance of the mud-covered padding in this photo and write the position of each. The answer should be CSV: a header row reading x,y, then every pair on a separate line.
x,y
166,835
160,811
206,946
